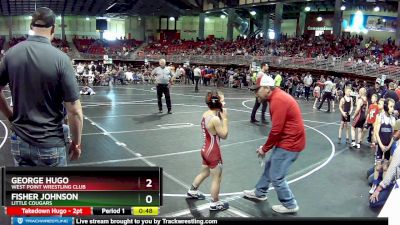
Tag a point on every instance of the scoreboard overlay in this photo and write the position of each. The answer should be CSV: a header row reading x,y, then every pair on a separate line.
x,y
82,191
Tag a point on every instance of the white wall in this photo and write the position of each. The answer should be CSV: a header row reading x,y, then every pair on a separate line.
x,y
189,27
289,27
217,27
78,25
134,25
20,25
152,24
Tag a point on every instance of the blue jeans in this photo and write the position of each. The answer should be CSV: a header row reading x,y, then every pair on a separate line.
x,y
275,171
26,155
382,197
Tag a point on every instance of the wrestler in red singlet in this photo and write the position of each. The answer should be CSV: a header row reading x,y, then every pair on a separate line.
x,y
214,125
210,151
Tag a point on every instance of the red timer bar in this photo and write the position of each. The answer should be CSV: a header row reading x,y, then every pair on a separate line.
x,y
48,211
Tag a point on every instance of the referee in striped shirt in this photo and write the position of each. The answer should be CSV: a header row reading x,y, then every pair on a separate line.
x,y
163,81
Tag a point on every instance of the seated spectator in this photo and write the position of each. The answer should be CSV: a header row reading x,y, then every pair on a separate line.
x,y
129,76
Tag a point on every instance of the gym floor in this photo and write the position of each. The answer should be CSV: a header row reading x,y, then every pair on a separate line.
x,y
122,127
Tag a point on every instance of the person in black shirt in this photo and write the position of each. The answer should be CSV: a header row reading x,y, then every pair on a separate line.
x,y
41,79
391,93
376,89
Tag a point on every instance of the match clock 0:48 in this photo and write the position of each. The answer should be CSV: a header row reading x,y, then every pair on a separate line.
x,y
145,211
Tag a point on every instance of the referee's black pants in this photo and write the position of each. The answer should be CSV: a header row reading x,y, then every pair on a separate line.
x,y
328,97
163,89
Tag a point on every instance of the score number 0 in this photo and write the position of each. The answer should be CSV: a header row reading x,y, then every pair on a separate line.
x,y
149,198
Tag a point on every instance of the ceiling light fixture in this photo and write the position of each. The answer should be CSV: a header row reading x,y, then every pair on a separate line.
x,y
109,7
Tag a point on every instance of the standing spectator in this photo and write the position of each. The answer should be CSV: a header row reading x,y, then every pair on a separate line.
x,y
163,82
391,93
307,85
263,71
180,74
92,66
334,97
79,69
278,80
203,75
39,84
197,76
287,139
99,68
295,81
188,74
375,90
398,90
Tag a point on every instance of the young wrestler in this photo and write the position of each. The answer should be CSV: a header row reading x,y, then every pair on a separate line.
x,y
346,108
383,130
373,111
359,118
214,125
317,95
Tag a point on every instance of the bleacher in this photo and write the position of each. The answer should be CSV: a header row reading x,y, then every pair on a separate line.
x,y
16,40
58,43
101,47
210,46
83,44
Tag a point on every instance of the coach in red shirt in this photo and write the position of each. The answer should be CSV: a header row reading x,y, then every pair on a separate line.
x,y
287,136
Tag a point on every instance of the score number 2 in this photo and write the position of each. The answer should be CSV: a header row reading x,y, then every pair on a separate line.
x,y
149,198
149,183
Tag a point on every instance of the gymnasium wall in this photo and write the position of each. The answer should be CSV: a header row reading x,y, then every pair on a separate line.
x,y
187,26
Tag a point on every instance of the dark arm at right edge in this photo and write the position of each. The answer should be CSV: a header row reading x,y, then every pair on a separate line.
x,y
4,80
